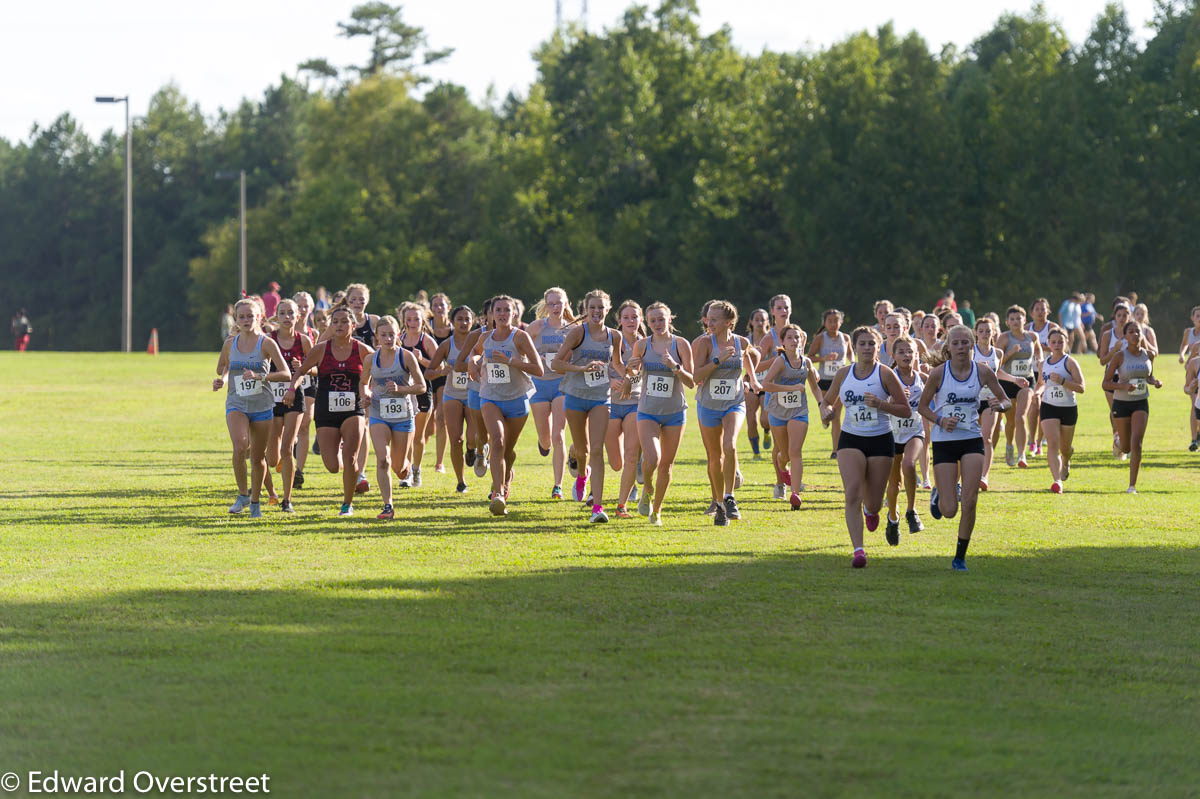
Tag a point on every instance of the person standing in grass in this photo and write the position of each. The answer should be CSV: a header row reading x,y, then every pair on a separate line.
x,y
246,358
664,362
1129,376
1061,380
869,391
950,401
339,363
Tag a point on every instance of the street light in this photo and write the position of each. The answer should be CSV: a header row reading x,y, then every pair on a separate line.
x,y
229,174
127,294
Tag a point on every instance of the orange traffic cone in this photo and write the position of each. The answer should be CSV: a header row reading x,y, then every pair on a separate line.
x,y
152,348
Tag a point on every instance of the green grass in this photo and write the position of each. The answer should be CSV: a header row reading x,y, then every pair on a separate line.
x,y
141,627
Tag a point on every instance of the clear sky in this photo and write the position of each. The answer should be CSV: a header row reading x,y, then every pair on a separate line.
x,y
58,57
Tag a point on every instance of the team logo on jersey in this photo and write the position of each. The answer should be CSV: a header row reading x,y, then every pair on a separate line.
x,y
955,399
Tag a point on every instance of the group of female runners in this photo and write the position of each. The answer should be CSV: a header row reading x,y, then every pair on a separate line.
x,y
892,394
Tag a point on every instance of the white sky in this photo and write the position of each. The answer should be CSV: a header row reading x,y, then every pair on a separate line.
x,y
57,57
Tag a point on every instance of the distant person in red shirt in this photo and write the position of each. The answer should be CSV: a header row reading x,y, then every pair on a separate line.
x,y
21,330
271,298
947,302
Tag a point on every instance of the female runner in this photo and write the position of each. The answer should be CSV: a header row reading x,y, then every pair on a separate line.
x,y
621,441
909,437
721,404
477,455
988,355
869,391
339,411
931,333
1021,351
440,324
454,397
1128,376
1188,346
1141,315
951,401
304,323
1061,380
294,345
831,349
357,297
756,328
1191,387
1040,324
1111,343
552,316
664,362
248,402
787,408
418,339
586,352
508,361
390,381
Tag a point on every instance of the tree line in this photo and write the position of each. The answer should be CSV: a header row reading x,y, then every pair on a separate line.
x,y
646,159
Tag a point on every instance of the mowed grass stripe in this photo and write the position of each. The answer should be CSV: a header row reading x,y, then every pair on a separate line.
x,y
446,653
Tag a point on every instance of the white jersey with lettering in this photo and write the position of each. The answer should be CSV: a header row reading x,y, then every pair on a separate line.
x,y
959,399
861,419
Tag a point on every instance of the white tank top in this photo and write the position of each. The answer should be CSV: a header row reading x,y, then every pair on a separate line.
x,y
960,399
1056,394
861,419
904,430
991,360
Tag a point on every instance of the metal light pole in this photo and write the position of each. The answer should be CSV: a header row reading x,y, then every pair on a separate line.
x,y
127,293
228,174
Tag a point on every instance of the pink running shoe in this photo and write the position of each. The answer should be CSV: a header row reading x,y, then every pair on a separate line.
x,y
860,560
872,520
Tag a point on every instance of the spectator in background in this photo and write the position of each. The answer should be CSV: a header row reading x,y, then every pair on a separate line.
x,y
322,299
967,314
271,298
1087,321
947,302
1069,317
227,324
21,331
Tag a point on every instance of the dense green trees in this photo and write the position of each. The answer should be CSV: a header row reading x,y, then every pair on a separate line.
x,y
650,160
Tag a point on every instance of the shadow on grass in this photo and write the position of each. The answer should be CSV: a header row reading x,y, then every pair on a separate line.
x,y
740,677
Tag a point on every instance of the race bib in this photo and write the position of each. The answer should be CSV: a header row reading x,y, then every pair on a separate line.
x,y
547,358
341,401
659,386
460,381
967,415
278,390
864,415
1022,368
594,378
246,388
1196,403
1055,394
985,394
725,389
497,373
395,409
902,426
829,369
790,399
1139,386
760,377
306,383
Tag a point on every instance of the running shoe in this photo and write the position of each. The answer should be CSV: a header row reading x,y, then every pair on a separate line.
x,y
787,477
1131,490
644,504
1116,445
481,464
639,478
580,486
316,448
416,477
1022,463
440,468
934,510
469,456
1010,456
1124,456
720,519
273,499
738,480
240,504
780,491
286,506
462,488
833,456
871,519
404,482
926,486
656,519
255,510
712,509
599,517
363,486
572,463
633,494
892,532
298,480
1195,445
731,508
497,506
766,439
914,522
795,500
860,559
387,514
622,513
959,565
543,451
1066,470
347,510
556,492
1056,487
983,484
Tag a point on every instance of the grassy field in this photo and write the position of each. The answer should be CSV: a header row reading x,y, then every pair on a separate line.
x,y
450,654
